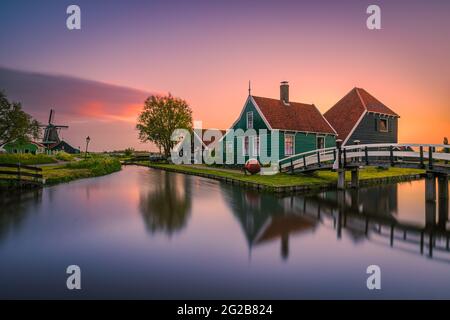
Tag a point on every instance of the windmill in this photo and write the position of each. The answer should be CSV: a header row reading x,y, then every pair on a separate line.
x,y
51,133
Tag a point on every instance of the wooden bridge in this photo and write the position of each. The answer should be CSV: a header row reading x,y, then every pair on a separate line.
x,y
420,156
403,155
18,175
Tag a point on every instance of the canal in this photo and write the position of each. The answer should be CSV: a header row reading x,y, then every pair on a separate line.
x,y
144,233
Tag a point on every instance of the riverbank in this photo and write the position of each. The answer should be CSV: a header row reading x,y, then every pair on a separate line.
x,y
67,171
285,183
94,167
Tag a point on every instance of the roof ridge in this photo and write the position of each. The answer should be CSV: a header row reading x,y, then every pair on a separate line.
x,y
360,98
308,104
323,117
371,97
343,97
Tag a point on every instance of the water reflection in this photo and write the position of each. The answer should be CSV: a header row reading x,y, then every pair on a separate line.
x,y
263,220
366,214
166,204
14,207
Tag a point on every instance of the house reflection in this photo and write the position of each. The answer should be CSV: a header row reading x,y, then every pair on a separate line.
x,y
166,204
265,218
354,212
14,206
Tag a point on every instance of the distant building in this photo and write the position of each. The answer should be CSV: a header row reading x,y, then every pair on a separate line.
x,y
198,144
24,147
51,139
359,116
63,146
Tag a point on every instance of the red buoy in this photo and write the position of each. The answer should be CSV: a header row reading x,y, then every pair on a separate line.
x,y
252,166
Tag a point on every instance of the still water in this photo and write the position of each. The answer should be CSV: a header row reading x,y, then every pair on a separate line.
x,y
144,233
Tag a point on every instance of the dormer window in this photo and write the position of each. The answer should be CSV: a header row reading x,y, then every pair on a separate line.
x,y
250,120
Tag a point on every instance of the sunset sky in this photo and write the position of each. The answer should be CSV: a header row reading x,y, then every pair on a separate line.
x,y
206,52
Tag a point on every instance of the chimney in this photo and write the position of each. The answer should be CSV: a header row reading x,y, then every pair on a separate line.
x,y
284,92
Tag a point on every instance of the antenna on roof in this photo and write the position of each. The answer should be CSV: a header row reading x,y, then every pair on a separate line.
x,y
249,88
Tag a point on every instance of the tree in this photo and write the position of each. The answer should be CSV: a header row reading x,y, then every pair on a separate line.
x,y
160,116
15,124
129,152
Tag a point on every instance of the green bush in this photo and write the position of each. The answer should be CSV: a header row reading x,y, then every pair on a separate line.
x,y
64,156
129,152
26,158
98,166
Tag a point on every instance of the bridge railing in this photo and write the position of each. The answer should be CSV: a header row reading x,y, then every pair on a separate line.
x,y
421,154
304,159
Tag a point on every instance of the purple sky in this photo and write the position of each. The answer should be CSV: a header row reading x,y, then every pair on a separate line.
x,y
206,51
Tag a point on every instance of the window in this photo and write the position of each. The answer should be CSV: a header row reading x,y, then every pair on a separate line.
x,y
320,142
250,120
229,150
383,127
288,144
256,146
229,147
246,147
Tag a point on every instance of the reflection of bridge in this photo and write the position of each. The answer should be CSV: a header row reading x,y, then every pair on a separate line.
x,y
353,157
433,234
365,214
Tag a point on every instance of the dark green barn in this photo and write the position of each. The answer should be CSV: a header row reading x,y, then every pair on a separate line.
x,y
361,118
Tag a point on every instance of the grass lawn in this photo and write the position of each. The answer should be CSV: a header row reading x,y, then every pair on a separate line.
x,y
26,159
94,167
286,180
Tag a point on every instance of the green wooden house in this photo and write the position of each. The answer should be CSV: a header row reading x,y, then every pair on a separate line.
x,y
301,127
24,147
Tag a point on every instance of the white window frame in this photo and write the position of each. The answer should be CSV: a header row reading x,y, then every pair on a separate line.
x,y
317,141
250,113
293,143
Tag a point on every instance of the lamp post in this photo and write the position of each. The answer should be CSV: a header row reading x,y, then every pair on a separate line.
x,y
87,144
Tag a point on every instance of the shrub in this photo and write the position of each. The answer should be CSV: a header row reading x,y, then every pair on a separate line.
x,y
129,152
26,158
98,166
64,156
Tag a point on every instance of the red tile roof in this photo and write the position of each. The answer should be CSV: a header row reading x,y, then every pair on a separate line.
x,y
344,115
372,104
295,116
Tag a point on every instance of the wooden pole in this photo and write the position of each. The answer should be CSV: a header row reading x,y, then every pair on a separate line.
x,y
430,157
366,154
421,156
391,155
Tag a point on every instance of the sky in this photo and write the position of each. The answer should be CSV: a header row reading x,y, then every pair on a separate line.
x,y
205,52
